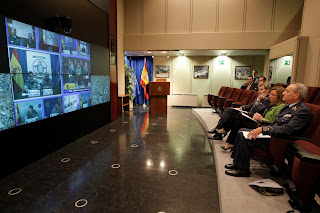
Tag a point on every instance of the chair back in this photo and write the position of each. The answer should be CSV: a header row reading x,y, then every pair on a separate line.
x,y
222,91
312,93
316,100
246,96
229,92
253,97
237,94
315,109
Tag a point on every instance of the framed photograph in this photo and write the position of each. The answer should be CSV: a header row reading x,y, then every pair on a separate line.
x,y
201,72
162,71
242,72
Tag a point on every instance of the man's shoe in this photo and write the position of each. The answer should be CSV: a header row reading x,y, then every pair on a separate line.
x,y
231,166
238,173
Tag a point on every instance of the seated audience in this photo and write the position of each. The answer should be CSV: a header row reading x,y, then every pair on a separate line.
x,y
292,119
262,79
268,116
250,85
228,115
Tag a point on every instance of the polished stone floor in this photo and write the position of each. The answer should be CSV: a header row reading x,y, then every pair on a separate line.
x,y
166,165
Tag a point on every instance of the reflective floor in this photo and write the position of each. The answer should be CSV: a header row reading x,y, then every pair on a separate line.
x,y
139,163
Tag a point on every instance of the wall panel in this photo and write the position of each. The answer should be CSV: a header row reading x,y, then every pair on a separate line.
x,y
288,15
201,86
204,16
259,15
231,16
178,16
154,19
132,17
181,75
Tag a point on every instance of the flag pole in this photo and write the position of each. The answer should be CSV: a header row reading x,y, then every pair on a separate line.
x,y
144,101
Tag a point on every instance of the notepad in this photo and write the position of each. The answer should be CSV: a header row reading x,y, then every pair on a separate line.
x,y
245,134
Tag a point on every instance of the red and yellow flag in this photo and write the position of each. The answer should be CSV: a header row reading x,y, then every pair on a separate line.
x,y
16,70
145,79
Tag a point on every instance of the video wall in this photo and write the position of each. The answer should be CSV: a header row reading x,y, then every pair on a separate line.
x,y
50,74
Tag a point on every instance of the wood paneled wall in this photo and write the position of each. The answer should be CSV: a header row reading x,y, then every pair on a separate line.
x,y
209,24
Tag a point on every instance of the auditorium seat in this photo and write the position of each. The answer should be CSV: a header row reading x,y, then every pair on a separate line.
x,y
316,100
226,96
215,98
306,169
312,93
244,99
279,85
253,97
278,144
209,99
235,97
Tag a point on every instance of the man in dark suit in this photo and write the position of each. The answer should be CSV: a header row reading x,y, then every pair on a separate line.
x,y
258,105
250,85
291,120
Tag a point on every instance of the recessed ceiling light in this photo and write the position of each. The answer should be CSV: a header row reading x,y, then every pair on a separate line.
x,y
149,52
168,56
163,52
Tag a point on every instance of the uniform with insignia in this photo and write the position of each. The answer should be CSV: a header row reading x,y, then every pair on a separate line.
x,y
257,105
289,121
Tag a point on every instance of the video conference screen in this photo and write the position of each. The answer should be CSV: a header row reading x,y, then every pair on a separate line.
x,y
50,74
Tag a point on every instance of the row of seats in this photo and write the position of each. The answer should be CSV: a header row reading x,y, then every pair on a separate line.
x,y
229,96
303,153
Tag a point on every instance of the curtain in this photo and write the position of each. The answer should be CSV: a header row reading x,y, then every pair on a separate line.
x,y
137,63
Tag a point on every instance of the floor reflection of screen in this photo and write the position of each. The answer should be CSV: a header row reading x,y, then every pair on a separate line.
x,y
71,103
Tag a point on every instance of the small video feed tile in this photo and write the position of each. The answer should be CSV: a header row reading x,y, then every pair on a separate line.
x,y
6,102
21,34
100,89
48,40
52,107
71,103
28,111
84,49
68,45
85,100
76,75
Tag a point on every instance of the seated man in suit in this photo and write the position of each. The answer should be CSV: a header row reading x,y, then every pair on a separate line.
x,y
250,85
292,119
262,79
257,106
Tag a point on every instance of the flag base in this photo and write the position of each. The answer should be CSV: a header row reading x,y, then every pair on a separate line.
x,y
144,105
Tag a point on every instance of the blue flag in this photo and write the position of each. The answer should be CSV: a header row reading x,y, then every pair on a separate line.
x,y
136,89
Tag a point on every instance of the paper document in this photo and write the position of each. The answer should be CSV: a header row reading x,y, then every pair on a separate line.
x,y
245,134
239,110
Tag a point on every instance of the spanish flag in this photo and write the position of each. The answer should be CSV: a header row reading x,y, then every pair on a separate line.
x,y
145,79
16,71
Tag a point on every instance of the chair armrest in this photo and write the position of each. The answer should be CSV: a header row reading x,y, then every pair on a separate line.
x,y
303,155
223,98
229,100
237,105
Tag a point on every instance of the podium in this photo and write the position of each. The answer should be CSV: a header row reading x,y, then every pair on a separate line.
x,y
158,92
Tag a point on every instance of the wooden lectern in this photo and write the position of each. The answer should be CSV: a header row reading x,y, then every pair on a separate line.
x,y
158,92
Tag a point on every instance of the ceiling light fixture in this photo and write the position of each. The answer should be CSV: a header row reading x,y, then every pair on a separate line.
x,y
149,52
163,52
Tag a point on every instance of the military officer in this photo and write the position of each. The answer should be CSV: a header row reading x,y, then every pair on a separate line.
x,y
31,83
292,119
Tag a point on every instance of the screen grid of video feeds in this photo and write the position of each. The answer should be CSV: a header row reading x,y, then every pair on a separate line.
x,y
50,74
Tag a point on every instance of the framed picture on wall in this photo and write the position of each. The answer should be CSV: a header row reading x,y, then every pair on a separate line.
x,y
201,72
162,71
242,72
